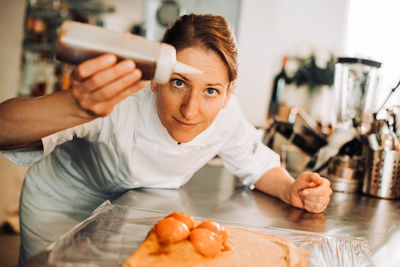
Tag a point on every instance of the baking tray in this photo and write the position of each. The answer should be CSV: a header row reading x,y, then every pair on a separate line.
x,y
113,232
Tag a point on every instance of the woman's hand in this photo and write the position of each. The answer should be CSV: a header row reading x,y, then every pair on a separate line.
x,y
310,192
99,84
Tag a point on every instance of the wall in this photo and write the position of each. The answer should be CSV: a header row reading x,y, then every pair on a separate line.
x,y
270,29
11,29
376,39
155,31
126,14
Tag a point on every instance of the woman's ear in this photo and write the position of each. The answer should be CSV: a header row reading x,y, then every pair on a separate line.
x,y
153,86
228,93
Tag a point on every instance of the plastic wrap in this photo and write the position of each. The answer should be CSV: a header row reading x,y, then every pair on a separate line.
x,y
113,232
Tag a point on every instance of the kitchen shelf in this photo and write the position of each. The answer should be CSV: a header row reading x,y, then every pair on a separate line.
x,y
46,14
39,47
42,23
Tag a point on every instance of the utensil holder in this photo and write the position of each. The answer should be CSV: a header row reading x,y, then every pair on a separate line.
x,y
382,174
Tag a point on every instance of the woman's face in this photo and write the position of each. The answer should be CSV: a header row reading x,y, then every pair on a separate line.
x,y
189,103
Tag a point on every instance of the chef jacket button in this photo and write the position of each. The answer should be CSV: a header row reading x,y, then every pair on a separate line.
x,y
136,183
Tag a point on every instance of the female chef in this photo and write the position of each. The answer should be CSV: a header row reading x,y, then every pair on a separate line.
x,y
112,132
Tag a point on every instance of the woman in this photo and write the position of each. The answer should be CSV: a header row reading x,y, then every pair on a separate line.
x,y
112,132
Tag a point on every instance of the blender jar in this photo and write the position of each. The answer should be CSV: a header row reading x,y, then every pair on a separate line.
x,y
355,86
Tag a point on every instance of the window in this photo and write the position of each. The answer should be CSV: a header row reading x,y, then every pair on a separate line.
x,y
373,32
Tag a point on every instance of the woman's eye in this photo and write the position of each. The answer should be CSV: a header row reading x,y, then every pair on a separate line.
x,y
211,91
178,83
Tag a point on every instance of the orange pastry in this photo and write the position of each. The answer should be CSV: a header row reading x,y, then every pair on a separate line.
x,y
178,240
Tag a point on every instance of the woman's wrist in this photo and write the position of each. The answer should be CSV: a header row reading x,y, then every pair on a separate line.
x,y
77,110
286,185
286,193
278,183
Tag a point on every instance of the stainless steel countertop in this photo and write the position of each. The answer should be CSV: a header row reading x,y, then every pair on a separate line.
x,y
214,193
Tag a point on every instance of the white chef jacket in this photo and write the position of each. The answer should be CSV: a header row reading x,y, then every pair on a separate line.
x,y
81,167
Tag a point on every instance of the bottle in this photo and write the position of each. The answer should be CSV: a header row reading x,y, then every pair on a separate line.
x,y
280,81
78,42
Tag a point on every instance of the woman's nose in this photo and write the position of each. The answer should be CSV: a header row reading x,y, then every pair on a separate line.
x,y
190,106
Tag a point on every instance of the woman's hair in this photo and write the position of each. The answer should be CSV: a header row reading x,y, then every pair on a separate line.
x,y
208,31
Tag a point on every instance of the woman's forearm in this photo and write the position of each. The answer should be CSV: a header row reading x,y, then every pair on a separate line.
x,y
24,121
98,85
276,182
309,191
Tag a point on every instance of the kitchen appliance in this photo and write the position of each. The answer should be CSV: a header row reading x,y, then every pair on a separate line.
x,y
343,171
355,84
355,87
296,142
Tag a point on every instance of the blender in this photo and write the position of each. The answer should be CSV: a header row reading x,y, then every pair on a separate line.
x,y
355,87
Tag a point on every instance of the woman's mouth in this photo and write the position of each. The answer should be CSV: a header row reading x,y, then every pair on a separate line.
x,y
185,124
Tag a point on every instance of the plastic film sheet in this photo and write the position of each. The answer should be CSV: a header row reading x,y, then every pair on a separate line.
x,y
113,232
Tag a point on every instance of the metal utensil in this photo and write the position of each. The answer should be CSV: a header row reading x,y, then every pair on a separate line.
x,y
388,97
396,116
351,148
387,141
377,126
298,134
373,142
308,120
397,145
385,137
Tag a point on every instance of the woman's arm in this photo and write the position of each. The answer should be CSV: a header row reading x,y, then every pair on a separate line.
x,y
97,86
24,121
309,191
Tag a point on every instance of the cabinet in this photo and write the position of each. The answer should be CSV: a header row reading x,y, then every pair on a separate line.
x,y
41,72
